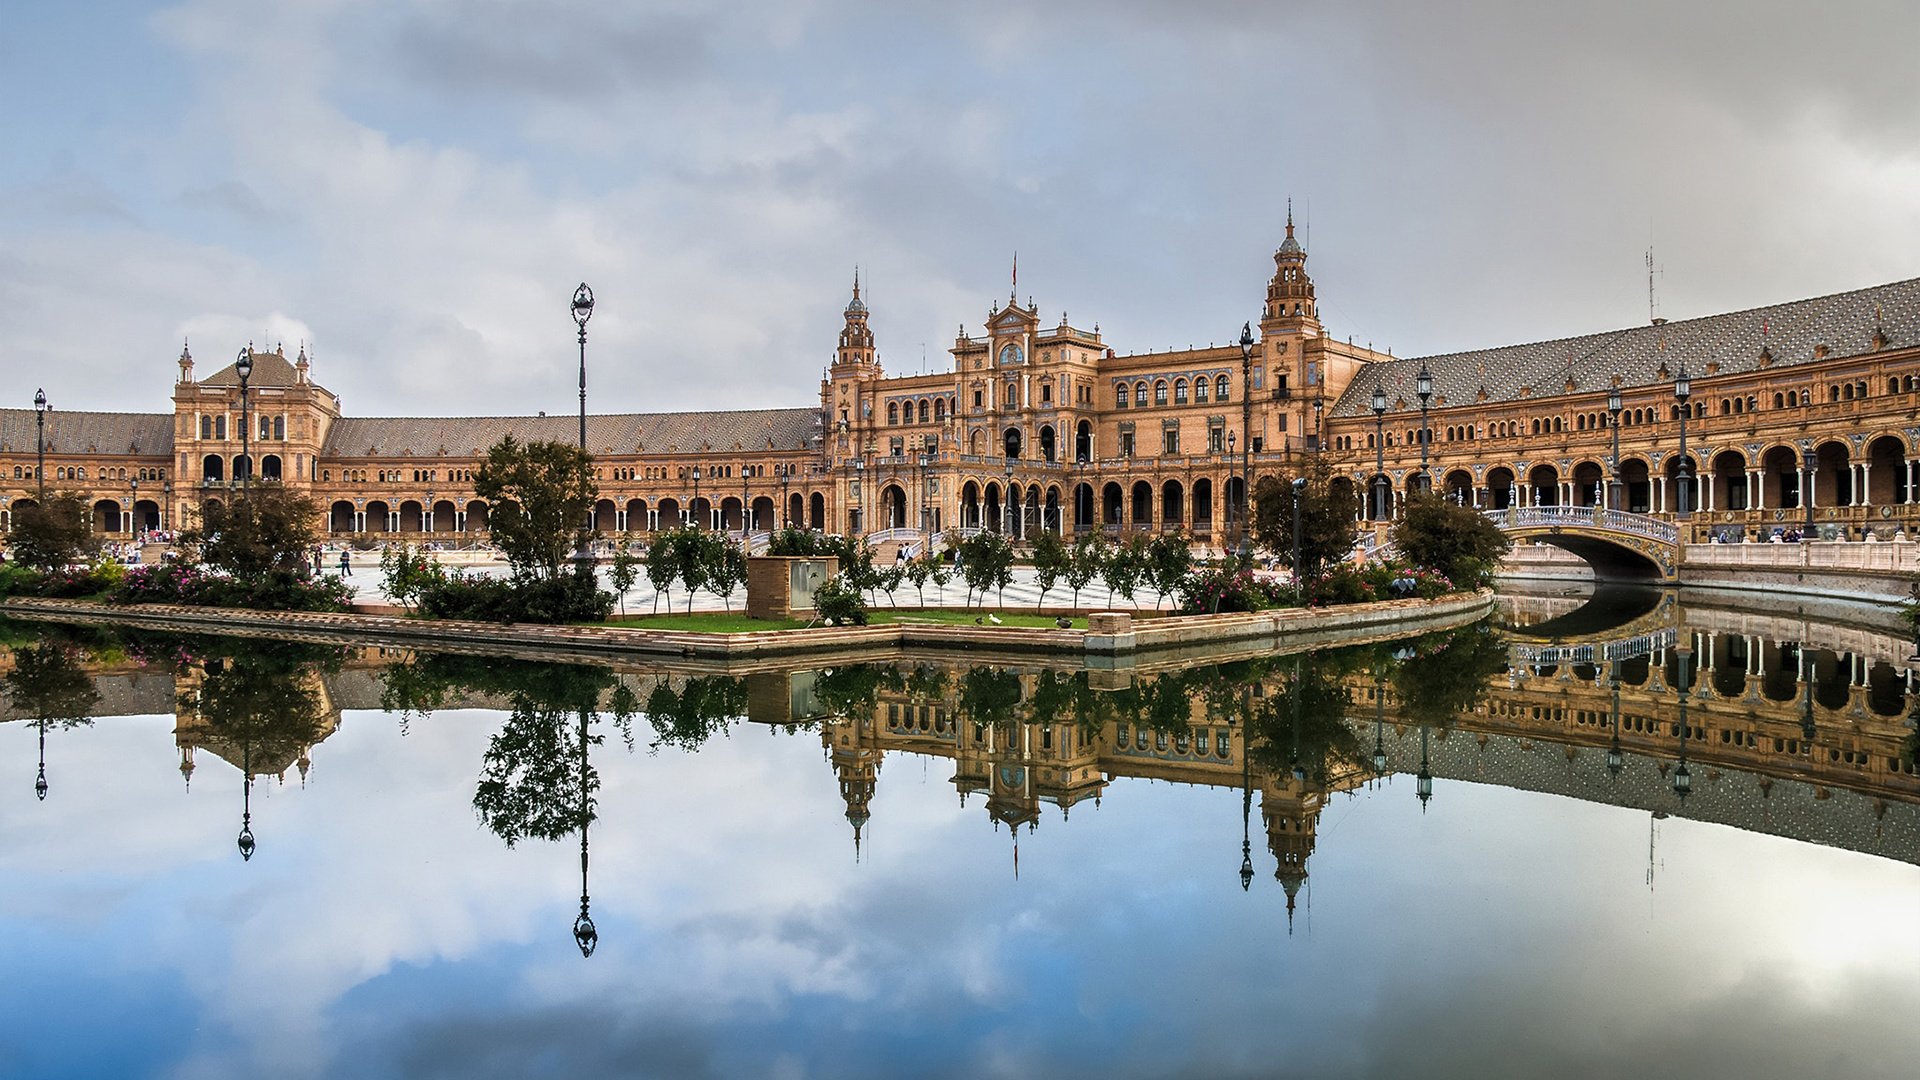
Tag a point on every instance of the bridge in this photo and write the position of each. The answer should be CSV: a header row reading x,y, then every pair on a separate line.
x,y
1618,545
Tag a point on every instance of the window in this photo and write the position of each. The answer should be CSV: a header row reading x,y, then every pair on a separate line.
x,y
1214,435
940,410
1160,392
1013,395
206,427
1220,389
1046,393
893,413
1126,444
1140,394
1200,390
1120,396
266,427
976,399
1179,391
1170,441
895,446
280,428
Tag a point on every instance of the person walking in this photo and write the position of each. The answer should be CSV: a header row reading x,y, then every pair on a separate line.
x,y
346,565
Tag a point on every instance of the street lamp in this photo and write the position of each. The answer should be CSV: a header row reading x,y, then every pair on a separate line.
x,y
785,517
245,841
1006,501
40,778
585,935
1299,497
696,497
926,536
1682,390
1246,792
582,311
1809,460
1233,523
1423,388
1615,759
133,501
40,441
1379,722
859,495
243,366
1423,780
1380,488
1614,405
1246,425
746,520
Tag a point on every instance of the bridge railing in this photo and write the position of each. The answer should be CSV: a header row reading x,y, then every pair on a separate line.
x,y
1586,517
1593,651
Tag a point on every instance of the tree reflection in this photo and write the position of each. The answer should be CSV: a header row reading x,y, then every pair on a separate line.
x,y
1301,731
50,685
1441,676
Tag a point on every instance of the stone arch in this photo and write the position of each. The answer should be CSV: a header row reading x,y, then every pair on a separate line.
x,y
1500,488
1173,497
413,517
1458,486
377,516
1202,518
446,516
1589,483
1832,474
106,515
478,515
817,511
1082,506
1112,503
1141,504
606,516
1730,484
1543,485
1048,450
1887,480
214,467
1011,441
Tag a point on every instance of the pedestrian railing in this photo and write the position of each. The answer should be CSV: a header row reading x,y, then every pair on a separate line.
x,y
1585,517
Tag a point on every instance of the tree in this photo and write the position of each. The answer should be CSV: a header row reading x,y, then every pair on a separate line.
x,y
1051,559
1121,570
663,563
407,573
1089,555
698,558
624,571
1456,540
920,570
1329,514
986,562
266,529
1170,560
540,493
728,570
53,532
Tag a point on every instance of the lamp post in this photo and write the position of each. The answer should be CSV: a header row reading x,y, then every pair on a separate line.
x,y
1380,487
696,497
1299,497
1683,390
585,935
1614,406
1233,523
243,366
245,840
1808,460
133,503
40,442
859,496
582,311
785,517
40,778
1423,780
1379,722
1246,446
1423,388
746,517
926,526
1683,776
1006,501
1246,791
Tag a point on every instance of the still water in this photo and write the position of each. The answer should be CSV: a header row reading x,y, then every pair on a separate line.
x,y
1464,854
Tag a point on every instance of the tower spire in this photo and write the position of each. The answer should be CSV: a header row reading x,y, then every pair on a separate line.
x,y
1016,278
1289,215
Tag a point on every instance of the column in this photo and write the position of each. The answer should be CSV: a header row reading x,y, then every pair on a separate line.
x,y
1807,501
1755,489
620,521
460,521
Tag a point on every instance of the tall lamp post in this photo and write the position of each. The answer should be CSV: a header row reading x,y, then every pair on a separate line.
x,y
585,934
784,517
746,517
582,309
1423,388
133,505
926,526
1614,406
1380,486
696,498
40,442
243,366
1246,447
1233,523
1006,501
1808,460
1683,776
1299,498
1682,390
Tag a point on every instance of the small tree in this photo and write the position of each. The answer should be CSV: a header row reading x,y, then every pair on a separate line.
x,y
53,532
268,528
1089,554
663,563
540,493
407,573
624,571
1329,513
919,571
1170,560
728,570
890,579
1122,568
1456,540
1051,558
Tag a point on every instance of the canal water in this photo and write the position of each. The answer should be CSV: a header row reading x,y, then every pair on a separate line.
x,y
1644,836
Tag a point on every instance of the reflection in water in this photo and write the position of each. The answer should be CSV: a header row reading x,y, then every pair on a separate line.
x,y
1691,724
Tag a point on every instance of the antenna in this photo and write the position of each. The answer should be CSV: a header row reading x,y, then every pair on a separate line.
x,y
1653,308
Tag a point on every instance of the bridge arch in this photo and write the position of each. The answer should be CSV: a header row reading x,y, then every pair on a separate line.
x,y
1618,545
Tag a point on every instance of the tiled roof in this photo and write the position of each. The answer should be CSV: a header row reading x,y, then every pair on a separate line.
x,y
89,432
1845,323
269,369
620,433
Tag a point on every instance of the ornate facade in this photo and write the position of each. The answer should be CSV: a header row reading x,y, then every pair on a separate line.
x,y
1047,426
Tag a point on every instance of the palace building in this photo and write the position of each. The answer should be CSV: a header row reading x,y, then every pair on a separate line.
x,y
1040,424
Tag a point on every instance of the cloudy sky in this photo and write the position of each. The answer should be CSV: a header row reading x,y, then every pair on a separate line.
x,y
415,186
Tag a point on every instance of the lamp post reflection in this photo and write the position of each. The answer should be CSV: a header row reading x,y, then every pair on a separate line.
x,y
1423,780
1246,790
246,842
49,684
1615,759
1683,776
585,934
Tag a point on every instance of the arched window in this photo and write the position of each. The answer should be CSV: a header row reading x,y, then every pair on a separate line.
x,y
1013,395
893,412
923,410
1120,396
939,410
1200,391
1179,391
1220,392
1140,395
219,427
1160,392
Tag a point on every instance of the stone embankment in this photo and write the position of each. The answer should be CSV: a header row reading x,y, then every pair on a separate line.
x,y
1882,572
1110,634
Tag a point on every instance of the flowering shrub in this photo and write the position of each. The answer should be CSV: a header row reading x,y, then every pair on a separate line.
x,y
1216,589
185,583
65,583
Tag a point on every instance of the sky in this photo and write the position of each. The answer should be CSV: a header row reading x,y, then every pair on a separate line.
x,y
414,187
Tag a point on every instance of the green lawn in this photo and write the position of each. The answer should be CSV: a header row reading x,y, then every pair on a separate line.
x,y
718,622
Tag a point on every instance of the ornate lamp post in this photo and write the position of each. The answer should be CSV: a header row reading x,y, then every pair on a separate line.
x,y
40,442
585,935
1423,389
1615,759
582,309
1246,792
40,778
1683,776
784,516
246,803
133,503
1381,492
746,516
696,497
1246,447
859,494
1682,390
1233,523
1006,501
1423,780
243,366
926,526
1808,460
1614,406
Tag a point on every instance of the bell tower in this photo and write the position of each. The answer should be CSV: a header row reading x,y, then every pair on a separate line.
x,y
1290,304
856,356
